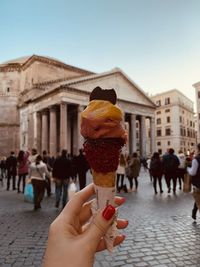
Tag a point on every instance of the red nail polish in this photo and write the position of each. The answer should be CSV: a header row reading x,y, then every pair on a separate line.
x,y
123,200
108,212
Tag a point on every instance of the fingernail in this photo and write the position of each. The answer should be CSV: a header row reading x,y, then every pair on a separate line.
x,y
123,199
108,212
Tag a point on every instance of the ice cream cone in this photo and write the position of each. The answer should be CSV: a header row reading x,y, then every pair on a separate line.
x,y
104,179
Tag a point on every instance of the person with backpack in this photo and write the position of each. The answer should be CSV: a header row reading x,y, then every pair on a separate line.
x,y
170,167
194,172
156,170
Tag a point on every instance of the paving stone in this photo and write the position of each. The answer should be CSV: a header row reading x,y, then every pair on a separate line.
x,y
161,232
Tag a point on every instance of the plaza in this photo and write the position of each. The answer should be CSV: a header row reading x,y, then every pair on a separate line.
x,y
161,232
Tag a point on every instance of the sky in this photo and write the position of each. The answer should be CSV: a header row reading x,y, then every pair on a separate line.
x,y
155,42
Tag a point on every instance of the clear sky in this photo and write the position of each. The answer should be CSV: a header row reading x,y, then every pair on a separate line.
x,y
155,42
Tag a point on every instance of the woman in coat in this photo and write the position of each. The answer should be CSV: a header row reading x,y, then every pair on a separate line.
x,y
121,173
22,169
134,170
156,170
38,171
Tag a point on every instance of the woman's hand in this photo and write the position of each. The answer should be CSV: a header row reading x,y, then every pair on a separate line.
x,y
72,240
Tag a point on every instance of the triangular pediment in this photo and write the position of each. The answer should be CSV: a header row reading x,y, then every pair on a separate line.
x,y
125,88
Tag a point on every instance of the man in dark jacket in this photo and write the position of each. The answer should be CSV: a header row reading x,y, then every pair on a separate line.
x,y
170,166
11,166
61,173
82,167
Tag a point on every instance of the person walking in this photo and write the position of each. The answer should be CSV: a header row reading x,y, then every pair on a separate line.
x,y
37,172
61,174
148,166
11,166
121,173
82,167
156,170
181,168
194,171
22,169
170,167
47,160
134,170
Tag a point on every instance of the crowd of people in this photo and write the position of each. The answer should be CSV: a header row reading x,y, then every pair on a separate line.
x,y
40,170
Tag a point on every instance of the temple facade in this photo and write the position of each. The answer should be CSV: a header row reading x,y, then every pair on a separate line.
x,y
42,99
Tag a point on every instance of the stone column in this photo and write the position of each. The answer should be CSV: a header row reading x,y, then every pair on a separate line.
x,y
63,126
53,132
133,140
143,136
80,139
38,131
45,138
152,135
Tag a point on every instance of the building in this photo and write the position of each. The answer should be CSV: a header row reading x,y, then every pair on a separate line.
x,y
175,123
42,99
197,93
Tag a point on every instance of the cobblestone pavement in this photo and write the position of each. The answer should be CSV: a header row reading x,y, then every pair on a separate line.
x,y
161,232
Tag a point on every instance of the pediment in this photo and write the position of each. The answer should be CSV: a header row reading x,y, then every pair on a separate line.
x,y
125,88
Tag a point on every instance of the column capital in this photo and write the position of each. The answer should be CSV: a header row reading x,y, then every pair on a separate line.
x,y
44,111
80,108
52,108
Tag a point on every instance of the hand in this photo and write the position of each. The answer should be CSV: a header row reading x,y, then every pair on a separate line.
x,y
72,241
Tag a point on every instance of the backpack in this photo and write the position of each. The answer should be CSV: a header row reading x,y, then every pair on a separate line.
x,y
196,178
153,164
156,167
171,163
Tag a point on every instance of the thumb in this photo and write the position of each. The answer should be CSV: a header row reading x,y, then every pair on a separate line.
x,y
100,225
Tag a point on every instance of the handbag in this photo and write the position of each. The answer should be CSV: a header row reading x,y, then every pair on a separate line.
x,y
187,183
28,193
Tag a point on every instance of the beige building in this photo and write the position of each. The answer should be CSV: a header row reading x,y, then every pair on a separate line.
x,y
197,93
42,98
175,123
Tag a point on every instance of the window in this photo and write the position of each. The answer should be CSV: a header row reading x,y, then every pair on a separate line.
x,y
158,112
137,135
190,123
167,131
158,103
180,119
158,143
167,110
8,89
168,143
159,132
199,94
158,121
168,119
160,151
167,101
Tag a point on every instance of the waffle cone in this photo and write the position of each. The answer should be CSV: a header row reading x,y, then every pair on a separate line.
x,y
104,179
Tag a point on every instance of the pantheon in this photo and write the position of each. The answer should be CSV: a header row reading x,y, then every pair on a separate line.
x,y
42,99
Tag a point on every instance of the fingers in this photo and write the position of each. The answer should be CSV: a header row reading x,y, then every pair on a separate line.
x,y
118,240
121,224
100,225
86,209
74,206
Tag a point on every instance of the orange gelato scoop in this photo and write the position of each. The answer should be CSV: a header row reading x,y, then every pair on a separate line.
x,y
102,119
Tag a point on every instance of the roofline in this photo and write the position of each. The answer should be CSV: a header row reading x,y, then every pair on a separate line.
x,y
56,62
173,90
108,73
